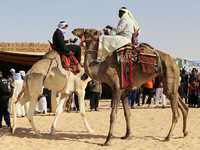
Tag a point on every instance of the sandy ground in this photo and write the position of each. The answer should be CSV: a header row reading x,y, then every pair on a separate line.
x,y
149,127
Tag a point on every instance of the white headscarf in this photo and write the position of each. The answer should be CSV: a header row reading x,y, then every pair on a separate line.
x,y
22,72
128,13
12,70
60,27
18,76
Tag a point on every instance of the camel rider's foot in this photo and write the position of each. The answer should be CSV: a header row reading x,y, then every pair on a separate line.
x,y
98,61
84,77
81,64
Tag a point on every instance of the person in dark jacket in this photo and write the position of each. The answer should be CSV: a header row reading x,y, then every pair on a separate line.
x,y
60,43
4,98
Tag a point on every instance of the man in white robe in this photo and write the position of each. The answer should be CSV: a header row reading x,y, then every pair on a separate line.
x,y
124,32
18,85
41,106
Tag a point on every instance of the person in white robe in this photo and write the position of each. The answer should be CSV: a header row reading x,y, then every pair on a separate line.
x,y
124,32
55,98
18,85
41,106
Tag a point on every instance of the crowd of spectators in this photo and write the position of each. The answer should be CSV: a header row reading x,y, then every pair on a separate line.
x,y
189,89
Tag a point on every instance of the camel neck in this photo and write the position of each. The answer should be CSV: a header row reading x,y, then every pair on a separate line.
x,y
91,67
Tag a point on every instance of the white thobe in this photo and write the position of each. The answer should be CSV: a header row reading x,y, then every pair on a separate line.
x,y
159,93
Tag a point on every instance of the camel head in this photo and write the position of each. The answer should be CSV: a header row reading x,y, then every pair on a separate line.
x,y
87,34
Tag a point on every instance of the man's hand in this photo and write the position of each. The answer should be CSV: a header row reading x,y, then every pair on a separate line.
x,y
74,40
109,27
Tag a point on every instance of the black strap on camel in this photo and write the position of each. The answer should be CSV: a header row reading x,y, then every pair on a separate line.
x,y
54,58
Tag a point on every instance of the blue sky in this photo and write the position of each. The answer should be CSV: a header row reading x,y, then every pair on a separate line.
x,y
168,25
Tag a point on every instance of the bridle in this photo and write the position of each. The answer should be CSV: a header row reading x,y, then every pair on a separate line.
x,y
94,38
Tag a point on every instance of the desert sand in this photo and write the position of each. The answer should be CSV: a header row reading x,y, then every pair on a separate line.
x,y
149,128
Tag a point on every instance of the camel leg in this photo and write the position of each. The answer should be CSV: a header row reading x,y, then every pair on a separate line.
x,y
184,110
59,110
113,116
127,115
175,115
33,102
69,102
15,107
81,95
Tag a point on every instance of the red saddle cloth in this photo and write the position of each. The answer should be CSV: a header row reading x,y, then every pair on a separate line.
x,y
70,63
129,54
126,56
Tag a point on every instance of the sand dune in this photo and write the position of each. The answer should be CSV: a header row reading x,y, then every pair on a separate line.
x,y
149,127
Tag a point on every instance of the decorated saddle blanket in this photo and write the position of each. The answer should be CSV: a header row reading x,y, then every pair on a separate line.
x,y
129,54
70,63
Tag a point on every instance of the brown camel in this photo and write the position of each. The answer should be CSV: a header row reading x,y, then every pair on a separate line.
x,y
109,72
49,72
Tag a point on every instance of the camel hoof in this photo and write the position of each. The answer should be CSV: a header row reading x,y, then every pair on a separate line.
x,y
105,144
91,131
166,139
185,134
39,135
12,130
53,133
124,138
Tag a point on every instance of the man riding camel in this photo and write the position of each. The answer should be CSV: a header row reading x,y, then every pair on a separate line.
x,y
60,43
126,27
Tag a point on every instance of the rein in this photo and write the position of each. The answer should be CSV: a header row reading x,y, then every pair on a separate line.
x,y
54,58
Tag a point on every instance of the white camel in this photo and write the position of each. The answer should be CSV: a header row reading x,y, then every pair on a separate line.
x,y
48,72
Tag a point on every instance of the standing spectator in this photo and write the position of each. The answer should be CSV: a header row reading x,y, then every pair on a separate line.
x,y
17,85
138,96
199,90
76,102
95,93
48,98
13,75
22,72
4,97
131,98
193,75
41,106
193,93
184,83
159,91
10,87
148,90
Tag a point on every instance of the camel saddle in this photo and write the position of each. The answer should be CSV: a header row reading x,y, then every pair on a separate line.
x,y
69,63
149,62
129,54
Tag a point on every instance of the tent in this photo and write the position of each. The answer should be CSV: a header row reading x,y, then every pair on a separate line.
x,y
18,60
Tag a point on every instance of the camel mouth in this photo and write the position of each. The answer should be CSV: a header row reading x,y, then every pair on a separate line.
x,y
73,32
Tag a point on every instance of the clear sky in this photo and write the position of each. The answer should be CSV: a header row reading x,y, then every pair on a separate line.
x,y
168,25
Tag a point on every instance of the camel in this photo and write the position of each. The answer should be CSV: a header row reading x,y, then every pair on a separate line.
x,y
48,72
109,72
